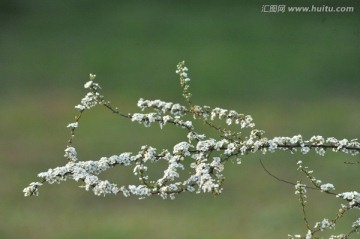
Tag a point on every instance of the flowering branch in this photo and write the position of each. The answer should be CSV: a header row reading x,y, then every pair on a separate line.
x,y
208,156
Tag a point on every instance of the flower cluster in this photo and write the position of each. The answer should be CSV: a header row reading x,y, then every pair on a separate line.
x,y
352,197
324,224
206,156
207,171
300,189
182,70
231,116
162,107
356,224
93,97
307,236
32,189
341,236
327,187
71,154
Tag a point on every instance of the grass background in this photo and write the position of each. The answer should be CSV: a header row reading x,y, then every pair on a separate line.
x,y
293,72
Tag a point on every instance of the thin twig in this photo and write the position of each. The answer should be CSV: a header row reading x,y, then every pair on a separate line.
x,y
279,179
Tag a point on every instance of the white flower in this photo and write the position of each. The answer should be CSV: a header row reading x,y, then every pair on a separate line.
x,y
325,224
80,107
124,159
194,136
88,84
228,121
343,143
317,140
184,74
217,164
340,236
332,141
177,109
140,190
320,151
182,148
32,189
352,197
356,224
294,236
308,235
90,181
92,77
305,150
300,188
137,117
166,118
219,144
72,125
104,187
70,153
296,139
125,191
90,100
145,119
206,145
230,149
327,187
190,188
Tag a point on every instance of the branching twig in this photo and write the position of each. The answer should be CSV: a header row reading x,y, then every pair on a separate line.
x,y
205,170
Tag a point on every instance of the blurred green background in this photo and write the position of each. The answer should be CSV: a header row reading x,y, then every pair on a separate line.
x,y
293,72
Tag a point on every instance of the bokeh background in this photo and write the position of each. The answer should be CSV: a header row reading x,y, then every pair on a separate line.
x,y
293,72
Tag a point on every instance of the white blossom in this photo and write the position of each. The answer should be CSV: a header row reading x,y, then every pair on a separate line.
x,y
324,224
230,149
80,107
164,120
356,224
300,188
32,189
206,145
327,187
145,119
220,144
296,139
125,191
72,125
228,121
320,151
140,190
195,136
352,197
71,154
217,164
317,140
305,150
294,236
105,187
162,107
182,148
92,77
88,84
90,100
